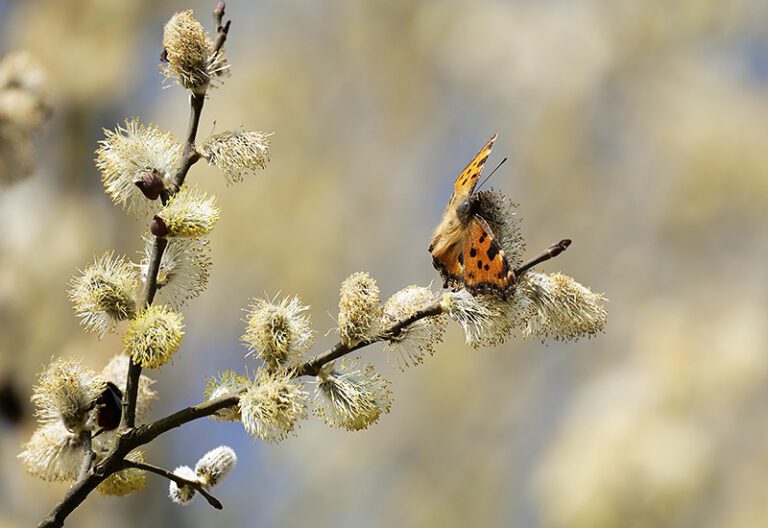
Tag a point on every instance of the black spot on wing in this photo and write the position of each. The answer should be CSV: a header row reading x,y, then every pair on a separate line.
x,y
479,264
482,237
473,252
493,250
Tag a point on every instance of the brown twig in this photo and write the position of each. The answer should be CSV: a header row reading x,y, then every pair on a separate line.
x,y
88,454
313,366
551,252
213,501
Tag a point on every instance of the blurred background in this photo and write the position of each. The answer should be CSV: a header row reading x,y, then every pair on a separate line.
x,y
638,128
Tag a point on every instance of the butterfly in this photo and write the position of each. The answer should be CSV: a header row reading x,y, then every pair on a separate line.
x,y
464,249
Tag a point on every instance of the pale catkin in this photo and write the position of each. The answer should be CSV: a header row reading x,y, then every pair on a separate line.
x,y
418,340
215,465
104,293
278,332
53,453
560,307
131,151
351,397
486,320
189,52
154,336
226,383
272,406
65,392
190,213
359,308
182,494
184,269
237,153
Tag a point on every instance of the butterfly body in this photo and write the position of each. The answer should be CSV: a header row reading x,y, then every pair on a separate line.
x,y
464,249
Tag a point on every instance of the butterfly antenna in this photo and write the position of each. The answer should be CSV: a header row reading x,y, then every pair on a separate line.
x,y
491,174
551,252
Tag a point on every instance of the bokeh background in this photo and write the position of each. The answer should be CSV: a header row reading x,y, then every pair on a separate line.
x,y
638,128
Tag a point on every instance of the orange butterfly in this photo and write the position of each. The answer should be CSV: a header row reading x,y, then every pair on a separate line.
x,y
464,249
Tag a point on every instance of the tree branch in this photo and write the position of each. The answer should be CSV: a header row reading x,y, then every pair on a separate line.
x,y
213,501
129,440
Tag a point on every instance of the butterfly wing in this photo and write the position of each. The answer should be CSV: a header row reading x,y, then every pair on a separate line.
x,y
465,183
449,264
486,269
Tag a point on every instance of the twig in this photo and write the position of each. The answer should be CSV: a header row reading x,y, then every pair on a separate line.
x,y
551,252
313,366
88,455
213,501
222,29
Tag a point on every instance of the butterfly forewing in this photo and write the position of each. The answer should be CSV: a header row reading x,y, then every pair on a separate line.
x,y
465,183
486,269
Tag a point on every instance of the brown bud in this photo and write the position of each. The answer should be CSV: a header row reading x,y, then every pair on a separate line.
x,y
218,11
158,227
151,185
556,249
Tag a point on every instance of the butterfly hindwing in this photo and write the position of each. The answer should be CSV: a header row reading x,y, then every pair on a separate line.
x,y
465,183
486,269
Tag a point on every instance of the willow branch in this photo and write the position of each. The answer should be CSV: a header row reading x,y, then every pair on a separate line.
x,y
213,501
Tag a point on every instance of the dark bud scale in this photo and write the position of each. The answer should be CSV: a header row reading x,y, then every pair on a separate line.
x,y
151,185
158,227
